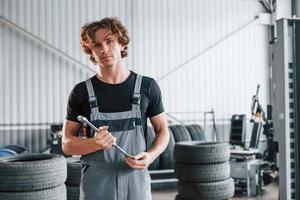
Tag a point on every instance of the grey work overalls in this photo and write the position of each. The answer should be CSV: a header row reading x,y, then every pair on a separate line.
x,y
105,175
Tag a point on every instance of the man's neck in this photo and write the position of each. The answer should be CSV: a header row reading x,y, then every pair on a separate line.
x,y
113,75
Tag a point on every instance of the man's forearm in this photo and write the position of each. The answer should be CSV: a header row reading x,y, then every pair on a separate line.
x,y
79,146
160,142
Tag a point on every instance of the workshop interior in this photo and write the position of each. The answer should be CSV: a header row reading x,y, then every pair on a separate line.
x,y
229,78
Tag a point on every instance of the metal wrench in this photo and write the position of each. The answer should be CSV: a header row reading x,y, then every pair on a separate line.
x,y
83,119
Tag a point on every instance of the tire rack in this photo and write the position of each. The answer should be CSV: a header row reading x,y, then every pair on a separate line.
x,y
163,177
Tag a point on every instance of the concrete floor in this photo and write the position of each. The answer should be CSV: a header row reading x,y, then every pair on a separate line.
x,y
270,192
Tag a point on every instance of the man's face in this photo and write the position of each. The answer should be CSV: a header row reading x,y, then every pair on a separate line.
x,y
106,49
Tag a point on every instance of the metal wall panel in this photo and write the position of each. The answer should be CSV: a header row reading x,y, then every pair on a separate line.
x,y
35,81
215,69
224,75
204,54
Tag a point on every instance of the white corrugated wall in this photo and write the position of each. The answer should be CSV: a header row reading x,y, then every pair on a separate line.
x,y
232,49
218,48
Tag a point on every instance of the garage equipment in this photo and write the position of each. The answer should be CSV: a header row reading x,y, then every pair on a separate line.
x,y
247,176
245,167
56,139
83,119
260,120
238,130
286,94
212,112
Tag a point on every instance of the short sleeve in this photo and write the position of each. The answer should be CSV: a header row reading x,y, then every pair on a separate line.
x,y
155,106
73,107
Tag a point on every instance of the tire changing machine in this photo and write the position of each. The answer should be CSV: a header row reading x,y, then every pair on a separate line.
x,y
244,167
246,162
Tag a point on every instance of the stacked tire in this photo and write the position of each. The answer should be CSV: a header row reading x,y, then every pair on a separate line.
x,y
73,178
33,177
180,133
196,132
203,171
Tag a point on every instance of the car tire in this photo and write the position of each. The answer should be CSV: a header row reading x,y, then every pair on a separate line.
x,y
54,193
180,133
202,173
73,192
208,191
197,152
73,171
29,172
196,132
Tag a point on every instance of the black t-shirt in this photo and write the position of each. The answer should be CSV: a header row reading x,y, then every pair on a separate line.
x,y
116,98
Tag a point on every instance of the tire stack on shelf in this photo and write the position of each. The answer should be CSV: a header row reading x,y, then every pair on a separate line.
x,y
33,177
203,170
180,133
196,132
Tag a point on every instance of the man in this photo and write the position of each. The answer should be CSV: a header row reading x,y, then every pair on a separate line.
x,y
118,101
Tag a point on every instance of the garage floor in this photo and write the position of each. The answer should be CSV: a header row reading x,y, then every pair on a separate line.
x,y
270,192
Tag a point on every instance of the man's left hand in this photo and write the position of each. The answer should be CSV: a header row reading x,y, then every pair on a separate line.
x,y
141,161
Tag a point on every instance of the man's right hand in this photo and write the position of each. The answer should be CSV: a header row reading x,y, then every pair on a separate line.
x,y
103,138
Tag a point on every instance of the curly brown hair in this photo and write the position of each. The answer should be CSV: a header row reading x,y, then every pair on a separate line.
x,y
113,24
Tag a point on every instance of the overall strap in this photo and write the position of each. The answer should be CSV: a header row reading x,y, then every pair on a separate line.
x,y
92,97
136,98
